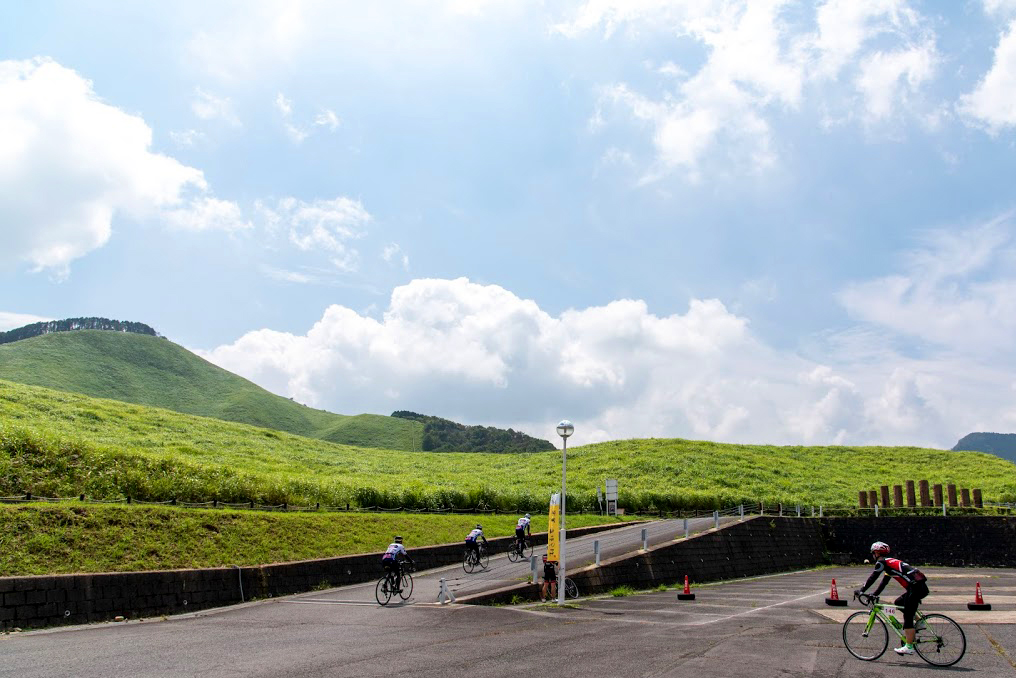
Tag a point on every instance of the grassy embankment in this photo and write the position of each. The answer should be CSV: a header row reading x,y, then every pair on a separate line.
x,y
148,370
69,537
61,444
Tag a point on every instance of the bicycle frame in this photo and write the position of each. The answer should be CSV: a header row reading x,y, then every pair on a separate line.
x,y
884,612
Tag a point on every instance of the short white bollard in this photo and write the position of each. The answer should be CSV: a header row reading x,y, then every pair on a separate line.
x,y
820,510
445,596
596,551
685,528
741,511
645,539
798,510
876,510
716,520
532,568
943,509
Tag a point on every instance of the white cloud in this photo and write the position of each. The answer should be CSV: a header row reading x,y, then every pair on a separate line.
x,y
888,78
207,106
762,58
186,138
321,226
208,214
249,39
993,102
392,253
930,360
957,292
69,162
10,321
326,118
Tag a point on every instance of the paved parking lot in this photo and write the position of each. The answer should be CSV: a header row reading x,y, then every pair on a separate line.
x,y
769,626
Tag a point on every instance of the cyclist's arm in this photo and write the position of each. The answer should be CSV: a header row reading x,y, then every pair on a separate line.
x,y
879,568
882,584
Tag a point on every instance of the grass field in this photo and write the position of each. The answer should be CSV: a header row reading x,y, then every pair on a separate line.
x,y
54,443
148,370
70,537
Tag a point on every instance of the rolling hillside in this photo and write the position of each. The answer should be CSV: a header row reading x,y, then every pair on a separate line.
x,y
149,370
1000,444
54,443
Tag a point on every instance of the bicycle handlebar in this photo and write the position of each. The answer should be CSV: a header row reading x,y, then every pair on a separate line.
x,y
865,599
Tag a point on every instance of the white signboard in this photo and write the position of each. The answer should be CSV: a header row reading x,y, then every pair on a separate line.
x,y
611,496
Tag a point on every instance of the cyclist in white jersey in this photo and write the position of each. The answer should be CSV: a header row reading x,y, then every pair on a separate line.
x,y
473,539
392,555
522,531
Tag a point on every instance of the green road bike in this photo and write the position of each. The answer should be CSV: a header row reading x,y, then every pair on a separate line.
x,y
938,639
388,586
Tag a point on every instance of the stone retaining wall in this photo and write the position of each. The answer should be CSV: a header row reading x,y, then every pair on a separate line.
x,y
27,602
759,545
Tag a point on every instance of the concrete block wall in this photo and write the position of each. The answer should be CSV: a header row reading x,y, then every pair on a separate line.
x,y
957,541
759,545
756,546
27,602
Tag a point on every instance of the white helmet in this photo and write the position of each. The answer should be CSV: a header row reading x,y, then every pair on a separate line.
x,y
527,515
880,547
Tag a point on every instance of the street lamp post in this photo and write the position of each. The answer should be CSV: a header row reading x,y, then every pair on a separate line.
x,y
564,429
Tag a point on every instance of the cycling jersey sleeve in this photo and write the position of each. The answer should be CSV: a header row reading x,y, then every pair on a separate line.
x,y
879,569
882,584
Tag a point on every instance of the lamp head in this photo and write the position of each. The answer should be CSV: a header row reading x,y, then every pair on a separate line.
x,y
565,428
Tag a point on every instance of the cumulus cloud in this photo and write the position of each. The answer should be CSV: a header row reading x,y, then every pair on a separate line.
x,y
69,162
993,102
929,360
762,58
327,226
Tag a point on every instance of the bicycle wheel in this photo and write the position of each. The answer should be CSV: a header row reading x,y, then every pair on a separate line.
x,y
407,586
468,561
513,553
383,591
866,645
484,559
939,640
571,590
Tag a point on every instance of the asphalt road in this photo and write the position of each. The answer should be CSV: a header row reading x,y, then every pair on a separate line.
x,y
502,572
768,626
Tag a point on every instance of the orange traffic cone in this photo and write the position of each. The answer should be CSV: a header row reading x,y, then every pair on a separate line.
x,y
834,597
687,595
978,603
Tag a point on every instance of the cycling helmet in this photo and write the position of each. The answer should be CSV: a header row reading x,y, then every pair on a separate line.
x,y
880,547
479,526
398,540
527,515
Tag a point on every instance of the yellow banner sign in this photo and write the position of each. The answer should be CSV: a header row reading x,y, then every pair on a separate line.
x,y
553,528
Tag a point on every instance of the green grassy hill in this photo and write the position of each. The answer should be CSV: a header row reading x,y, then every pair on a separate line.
x,y
55,443
73,537
148,370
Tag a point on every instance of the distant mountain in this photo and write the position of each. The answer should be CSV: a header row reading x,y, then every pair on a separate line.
x,y
443,435
999,444
145,369
71,324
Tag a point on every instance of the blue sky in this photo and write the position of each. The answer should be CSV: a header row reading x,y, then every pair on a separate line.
x,y
775,222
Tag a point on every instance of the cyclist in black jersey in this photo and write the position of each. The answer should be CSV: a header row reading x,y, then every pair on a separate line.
x,y
913,581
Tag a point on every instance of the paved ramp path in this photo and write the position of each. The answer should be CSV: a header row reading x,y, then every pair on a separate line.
x,y
502,572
